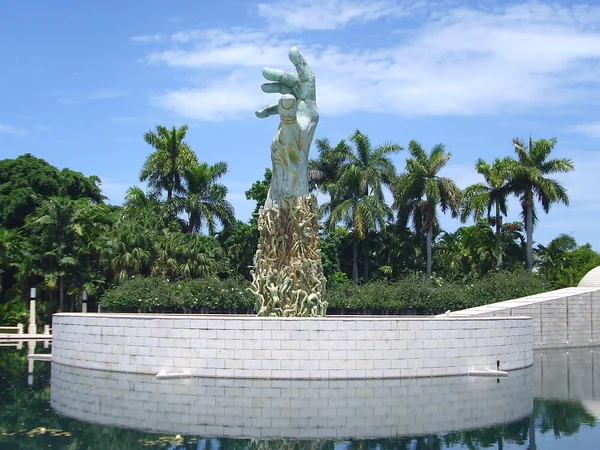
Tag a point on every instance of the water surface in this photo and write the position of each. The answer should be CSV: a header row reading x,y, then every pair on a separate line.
x,y
554,405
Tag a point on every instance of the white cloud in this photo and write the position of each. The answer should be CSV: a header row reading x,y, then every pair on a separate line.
x,y
464,62
12,130
105,94
235,48
590,129
148,38
330,14
221,100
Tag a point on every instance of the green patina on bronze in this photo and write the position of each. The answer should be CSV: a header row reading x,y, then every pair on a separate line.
x,y
287,277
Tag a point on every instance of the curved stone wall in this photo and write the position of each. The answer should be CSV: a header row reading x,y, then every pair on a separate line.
x,y
304,409
291,348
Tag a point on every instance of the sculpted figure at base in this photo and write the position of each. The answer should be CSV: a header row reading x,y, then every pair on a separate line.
x,y
288,275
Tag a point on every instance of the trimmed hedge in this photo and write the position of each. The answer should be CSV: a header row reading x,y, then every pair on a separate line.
x,y
410,295
159,295
419,295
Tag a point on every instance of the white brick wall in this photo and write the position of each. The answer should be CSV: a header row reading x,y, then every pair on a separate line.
x,y
563,318
253,347
244,408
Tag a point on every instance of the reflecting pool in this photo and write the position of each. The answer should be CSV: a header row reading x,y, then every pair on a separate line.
x,y
553,405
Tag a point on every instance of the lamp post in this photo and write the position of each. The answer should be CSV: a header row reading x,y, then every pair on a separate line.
x,y
32,329
84,301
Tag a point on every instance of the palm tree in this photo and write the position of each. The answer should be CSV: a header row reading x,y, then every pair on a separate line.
x,y
11,251
419,191
55,226
493,194
181,255
128,247
324,171
357,195
165,167
529,181
136,198
204,200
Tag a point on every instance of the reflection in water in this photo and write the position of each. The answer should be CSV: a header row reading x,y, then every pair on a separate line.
x,y
31,354
305,409
568,383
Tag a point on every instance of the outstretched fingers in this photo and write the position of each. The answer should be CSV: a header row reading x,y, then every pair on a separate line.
x,y
282,76
305,74
276,88
270,110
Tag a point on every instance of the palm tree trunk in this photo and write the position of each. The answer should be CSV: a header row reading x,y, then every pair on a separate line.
x,y
429,239
365,262
498,231
529,227
355,263
61,298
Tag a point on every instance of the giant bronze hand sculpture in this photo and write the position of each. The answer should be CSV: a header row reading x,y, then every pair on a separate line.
x,y
287,277
297,109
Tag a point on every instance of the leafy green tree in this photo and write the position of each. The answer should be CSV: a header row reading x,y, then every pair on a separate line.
x,y
64,236
239,242
553,260
11,253
357,195
565,263
398,251
481,198
581,261
331,243
420,191
530,181
259,192
172,157
205,198
472,252
27,180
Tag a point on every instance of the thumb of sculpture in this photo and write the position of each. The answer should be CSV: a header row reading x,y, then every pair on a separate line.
x,y
287,107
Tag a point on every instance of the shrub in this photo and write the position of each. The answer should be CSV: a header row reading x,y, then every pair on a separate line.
x,y
413,294
203,295
419,295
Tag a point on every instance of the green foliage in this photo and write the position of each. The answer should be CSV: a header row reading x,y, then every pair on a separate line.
x,y
145,242
529,182
356,196
331,249
563,262
172,157
13,312
204,198
27,179
474,251
421,295
259,192
420,192
201,295
239,242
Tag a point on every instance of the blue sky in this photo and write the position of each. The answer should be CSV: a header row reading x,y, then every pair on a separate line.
x,y
82,81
